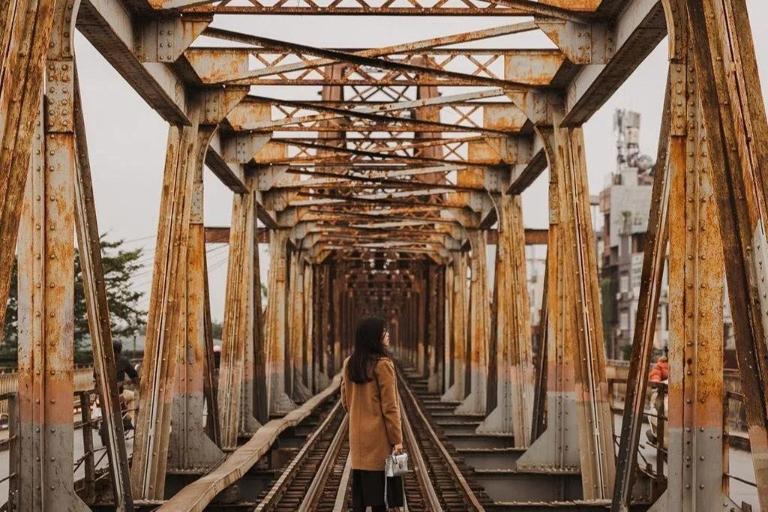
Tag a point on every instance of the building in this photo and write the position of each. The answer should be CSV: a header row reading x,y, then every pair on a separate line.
x,y
624,206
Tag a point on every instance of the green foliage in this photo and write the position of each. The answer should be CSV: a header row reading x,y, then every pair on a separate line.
x,y
126,318
216,329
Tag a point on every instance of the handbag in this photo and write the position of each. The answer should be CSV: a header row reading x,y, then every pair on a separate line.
x,y
395,465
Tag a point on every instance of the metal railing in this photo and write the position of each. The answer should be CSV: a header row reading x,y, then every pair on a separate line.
x,y
733,418
92,462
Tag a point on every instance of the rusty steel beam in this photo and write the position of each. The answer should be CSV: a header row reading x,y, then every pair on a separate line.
x,y
406,48
579,433
342,56
636,31
647,308
99,325
513,351
296,358
166,297
236,379
26,32
734,117
190,448
456,350
187,146
46,283
374,113
363,7
274,326
450,67
115,32
696,393
479,327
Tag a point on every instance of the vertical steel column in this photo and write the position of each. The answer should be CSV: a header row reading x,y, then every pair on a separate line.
x,y
210,384
515,384
323,327
161,349
236,379
26,31
308,369
190,448
647,309
479,327
580,429
434,340
449,318
558,444
596,419
458,355
335,295
737,137
295,315
275,335
257,351
46,288
420,297
442,329
695,427
166,324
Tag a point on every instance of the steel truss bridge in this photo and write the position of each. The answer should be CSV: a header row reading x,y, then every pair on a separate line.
x,y
381,196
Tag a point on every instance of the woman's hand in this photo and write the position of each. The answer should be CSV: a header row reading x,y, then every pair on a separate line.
x,y
398,448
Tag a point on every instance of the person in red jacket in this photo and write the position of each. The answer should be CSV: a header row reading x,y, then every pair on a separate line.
x,y
660,371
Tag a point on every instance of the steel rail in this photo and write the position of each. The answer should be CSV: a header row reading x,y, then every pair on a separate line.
x,y
456,473
315,491
419,464
281,484
341,493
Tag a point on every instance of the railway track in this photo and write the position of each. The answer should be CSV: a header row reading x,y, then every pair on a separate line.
x,y
318,478
446,474
301,483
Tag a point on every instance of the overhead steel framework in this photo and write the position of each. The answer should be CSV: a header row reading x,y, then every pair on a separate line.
x,y
381,197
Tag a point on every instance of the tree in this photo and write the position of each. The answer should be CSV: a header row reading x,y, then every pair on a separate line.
x,y
126,318
216,329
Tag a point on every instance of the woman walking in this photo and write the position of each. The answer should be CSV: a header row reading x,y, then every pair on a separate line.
x,y
369,394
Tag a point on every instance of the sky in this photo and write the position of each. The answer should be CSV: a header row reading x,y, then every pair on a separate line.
x,y
127,139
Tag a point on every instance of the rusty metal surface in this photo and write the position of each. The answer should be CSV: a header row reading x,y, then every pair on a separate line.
x,y
99,326
26,24
238,330
380,185
647,312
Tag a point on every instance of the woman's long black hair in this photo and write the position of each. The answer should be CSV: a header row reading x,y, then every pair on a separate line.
x,y
369,347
